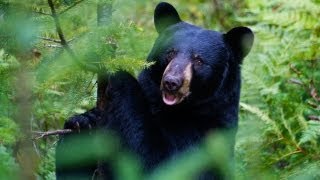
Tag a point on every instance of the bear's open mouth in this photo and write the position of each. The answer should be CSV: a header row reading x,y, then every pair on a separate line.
x,y
172,98
169,99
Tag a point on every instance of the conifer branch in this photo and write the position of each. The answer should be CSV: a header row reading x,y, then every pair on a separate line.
x,y
64,43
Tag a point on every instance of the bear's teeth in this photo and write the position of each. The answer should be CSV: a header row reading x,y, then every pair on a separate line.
x,y
169,99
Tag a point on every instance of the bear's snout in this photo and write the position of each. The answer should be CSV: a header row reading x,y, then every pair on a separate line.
x,y
172,83
175,84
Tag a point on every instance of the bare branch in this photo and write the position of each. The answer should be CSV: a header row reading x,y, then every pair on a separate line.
x,y
50,39
296,81
71,40
312,104
40,135
314,93
313,117
295,70
54,40
53,46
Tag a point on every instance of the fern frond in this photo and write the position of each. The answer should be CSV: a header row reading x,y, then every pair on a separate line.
x,y
262,115
312,133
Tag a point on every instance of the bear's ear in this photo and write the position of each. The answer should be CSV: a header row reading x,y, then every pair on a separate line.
x,y
240,39
165,15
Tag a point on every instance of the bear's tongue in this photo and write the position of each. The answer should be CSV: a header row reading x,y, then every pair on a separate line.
x,y
169,99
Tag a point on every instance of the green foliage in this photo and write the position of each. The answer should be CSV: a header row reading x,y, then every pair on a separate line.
x,y
311,133
103,146
278,133
281,77
46,168
8,64
8,131
17,31
61,88
8,166
212,154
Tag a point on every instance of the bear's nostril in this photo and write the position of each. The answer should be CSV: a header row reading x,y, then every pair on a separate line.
x,y
172,83
171,86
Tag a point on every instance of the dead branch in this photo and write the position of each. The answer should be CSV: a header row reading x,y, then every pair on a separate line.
x,y
312,104
54,40
53,46
40,135
313,92
296,81
313,117
295,70
50,39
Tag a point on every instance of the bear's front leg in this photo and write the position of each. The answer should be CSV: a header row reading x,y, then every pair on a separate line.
x,y
127,109
128,115
72,149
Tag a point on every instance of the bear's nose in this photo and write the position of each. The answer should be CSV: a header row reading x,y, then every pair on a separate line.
x,y
172,83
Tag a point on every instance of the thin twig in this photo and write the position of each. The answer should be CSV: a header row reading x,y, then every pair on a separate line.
x,y
313,117
42,13
70,7
49,133
54,40
289,154
296,81
314,93
50,39
70,40
53,46
312,104
294,69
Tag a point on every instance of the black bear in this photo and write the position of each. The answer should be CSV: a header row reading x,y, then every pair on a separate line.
x,y
192,88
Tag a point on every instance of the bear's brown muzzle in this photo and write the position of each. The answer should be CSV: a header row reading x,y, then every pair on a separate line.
x,y
176,79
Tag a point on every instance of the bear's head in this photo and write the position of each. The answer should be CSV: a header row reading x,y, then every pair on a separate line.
x,y
194,62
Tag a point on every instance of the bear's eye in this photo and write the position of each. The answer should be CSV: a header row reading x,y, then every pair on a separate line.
x,y
197,60
170,55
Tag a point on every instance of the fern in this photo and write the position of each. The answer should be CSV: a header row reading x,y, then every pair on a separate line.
x,y
287,39
312,133
263,116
